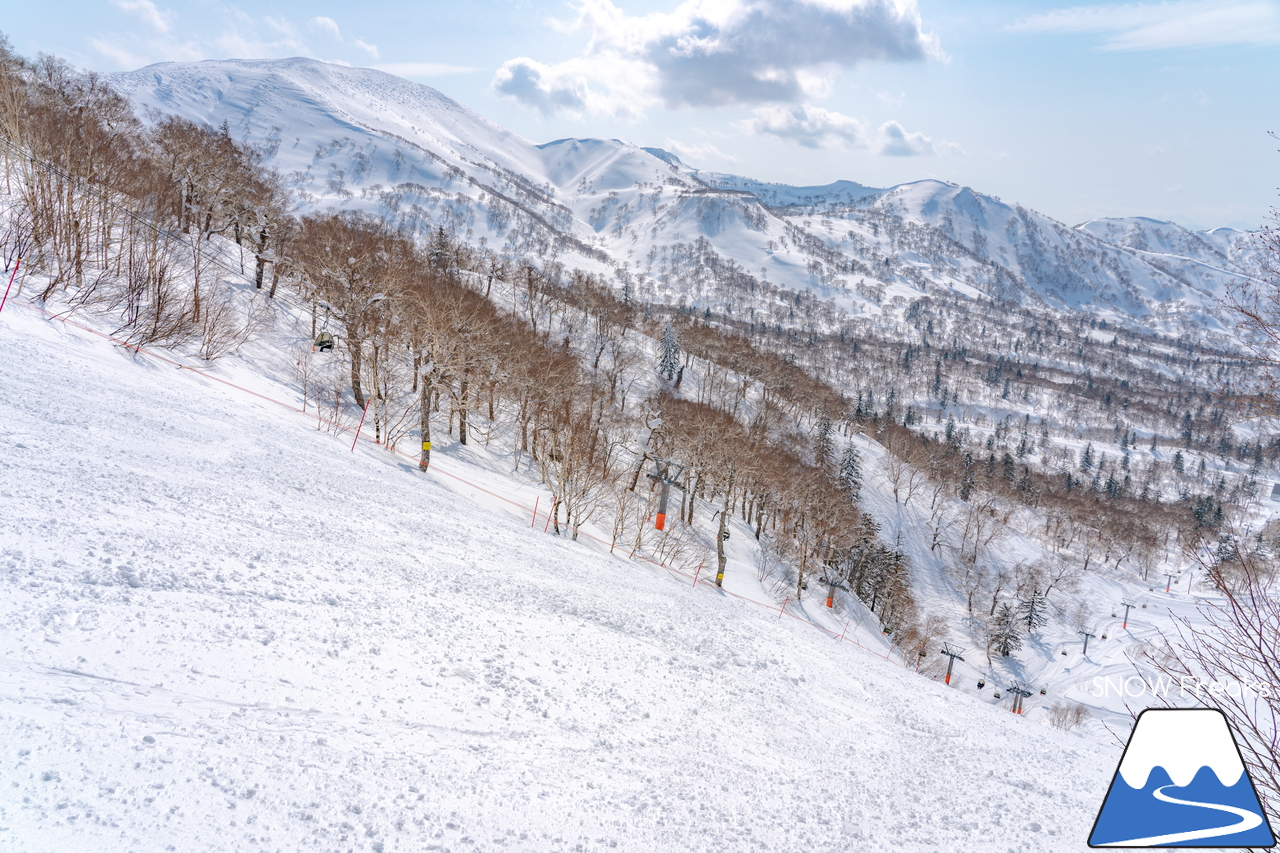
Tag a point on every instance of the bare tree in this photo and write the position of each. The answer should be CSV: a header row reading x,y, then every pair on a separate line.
x,y
1235,645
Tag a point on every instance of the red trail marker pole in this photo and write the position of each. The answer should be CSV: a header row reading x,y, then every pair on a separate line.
x,y
535,511
362,416
695,574
783,608
547,526
846,628
10,287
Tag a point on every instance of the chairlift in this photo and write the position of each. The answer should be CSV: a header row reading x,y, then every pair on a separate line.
x,y
981,684
997,694
324,340
1104,636
1044,691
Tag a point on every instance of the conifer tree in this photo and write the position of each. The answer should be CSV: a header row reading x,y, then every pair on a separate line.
x,y
851,472
822,450
968,478
1006,631
1032,611
669,352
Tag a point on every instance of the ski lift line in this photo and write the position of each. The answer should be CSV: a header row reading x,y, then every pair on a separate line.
x,y
437,469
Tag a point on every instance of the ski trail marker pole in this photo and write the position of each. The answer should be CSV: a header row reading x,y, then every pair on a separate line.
x,y
535,511
362,416
698,572
10,287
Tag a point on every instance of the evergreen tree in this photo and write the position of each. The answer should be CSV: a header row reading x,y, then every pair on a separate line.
x,y
669,352
851,472
441,252
968,478
1006,631
1086,461
1032,611
822,450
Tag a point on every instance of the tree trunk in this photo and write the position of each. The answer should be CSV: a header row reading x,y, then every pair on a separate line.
x,y
462,410
721,558
424,423
356,390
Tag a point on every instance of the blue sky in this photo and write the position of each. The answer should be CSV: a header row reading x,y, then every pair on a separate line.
x,y
1077,110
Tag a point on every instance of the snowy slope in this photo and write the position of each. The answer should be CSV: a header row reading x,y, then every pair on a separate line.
x,y
360,138
1225,248
224,630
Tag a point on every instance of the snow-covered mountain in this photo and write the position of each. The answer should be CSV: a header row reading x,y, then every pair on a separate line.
x,y
359,138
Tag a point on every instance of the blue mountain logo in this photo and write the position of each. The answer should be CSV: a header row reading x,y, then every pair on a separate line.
x,y
1181,783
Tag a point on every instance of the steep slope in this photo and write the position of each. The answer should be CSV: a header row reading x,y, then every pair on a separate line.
x,y
223,630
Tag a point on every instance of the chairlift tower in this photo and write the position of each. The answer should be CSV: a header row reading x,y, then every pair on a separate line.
x,y
832,586
954,653
667,473
1020,692
1127,605
1087,636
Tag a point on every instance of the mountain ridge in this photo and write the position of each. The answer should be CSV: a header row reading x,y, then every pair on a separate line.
x,y
365,139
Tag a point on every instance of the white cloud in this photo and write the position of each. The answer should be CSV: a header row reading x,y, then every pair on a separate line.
x,y
895,141
422,69
716,52
1154,26
564,87
241,35
130,52
159,20
119,54
690,153
806,125
250,38
326,25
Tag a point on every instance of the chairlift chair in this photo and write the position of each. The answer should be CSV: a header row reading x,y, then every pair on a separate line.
x,y
324,342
